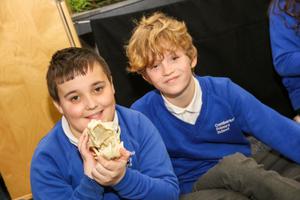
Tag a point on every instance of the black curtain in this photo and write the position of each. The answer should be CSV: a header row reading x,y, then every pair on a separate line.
x,y
232,39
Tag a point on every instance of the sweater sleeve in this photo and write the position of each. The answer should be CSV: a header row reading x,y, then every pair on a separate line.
x,y
285,43
48,183
264,123
155,178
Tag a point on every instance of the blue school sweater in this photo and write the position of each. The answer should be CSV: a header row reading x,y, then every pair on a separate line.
x,y
57,168
285,43
227,113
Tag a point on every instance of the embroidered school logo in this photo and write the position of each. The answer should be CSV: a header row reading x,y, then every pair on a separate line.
x,y
223,126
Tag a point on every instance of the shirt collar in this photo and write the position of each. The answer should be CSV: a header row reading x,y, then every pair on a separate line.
x,y
193,107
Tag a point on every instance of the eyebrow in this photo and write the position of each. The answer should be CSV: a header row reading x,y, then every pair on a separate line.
x,y
69,93
94,84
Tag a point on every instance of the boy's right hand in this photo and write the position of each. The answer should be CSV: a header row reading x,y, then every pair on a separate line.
x,y
111,172
89,162
297,118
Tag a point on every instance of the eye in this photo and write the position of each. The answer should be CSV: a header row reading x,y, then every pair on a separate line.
x,y
98,89
175,57
75,99
155,66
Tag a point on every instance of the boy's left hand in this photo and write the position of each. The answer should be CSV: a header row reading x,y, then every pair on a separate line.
x,y
111,172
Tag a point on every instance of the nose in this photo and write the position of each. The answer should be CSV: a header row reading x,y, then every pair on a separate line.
x,y
167,68
91,102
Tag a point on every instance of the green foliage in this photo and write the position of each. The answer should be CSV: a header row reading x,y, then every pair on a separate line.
x,y
84,5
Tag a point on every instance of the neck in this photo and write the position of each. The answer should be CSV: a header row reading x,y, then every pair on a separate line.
x,y
75,133
185,97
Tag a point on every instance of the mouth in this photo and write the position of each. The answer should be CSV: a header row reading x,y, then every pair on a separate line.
x,y
171,80
97,115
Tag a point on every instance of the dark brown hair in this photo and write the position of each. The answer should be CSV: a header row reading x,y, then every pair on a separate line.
x,y
67,63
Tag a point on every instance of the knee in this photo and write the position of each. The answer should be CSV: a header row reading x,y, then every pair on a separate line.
x,y
234,159
239,162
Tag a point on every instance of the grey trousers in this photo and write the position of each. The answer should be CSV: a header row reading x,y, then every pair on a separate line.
x,y
239,177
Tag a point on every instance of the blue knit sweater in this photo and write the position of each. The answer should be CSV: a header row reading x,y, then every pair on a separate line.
x,y
57,168
285,43
227,113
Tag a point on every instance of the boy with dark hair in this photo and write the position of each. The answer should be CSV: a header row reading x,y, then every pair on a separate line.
x,y
203,120
63,167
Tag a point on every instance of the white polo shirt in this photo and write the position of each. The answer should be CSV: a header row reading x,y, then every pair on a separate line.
x,y
190,113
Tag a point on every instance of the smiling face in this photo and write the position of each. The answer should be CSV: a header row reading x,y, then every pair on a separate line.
x,y
172,75
86,97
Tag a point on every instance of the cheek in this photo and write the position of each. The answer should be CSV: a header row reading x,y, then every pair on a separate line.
x,y
153,77
107,98
108,104
72,110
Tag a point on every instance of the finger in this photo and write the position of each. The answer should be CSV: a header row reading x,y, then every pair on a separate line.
x,y
98,176
101,179
107,164
108,177
85,131
114,167
83,147
86,141
125,154
80,142
101,171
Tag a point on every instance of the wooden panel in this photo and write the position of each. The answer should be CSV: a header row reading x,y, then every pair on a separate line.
x,y
30,32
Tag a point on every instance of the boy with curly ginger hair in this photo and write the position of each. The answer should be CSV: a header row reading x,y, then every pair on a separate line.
x,y
203,120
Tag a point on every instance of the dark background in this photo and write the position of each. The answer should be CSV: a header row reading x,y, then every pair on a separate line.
x,y
231,36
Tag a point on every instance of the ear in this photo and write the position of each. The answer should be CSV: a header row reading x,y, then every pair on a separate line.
x,y
194,62
58,107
